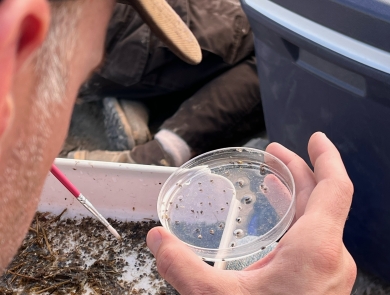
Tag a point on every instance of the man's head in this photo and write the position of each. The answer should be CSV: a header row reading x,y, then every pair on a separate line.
x,y
47,50
39,81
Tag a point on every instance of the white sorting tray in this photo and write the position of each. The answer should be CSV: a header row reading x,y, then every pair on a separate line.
x,y
126,192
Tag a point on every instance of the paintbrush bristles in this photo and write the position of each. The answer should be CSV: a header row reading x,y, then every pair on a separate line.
x,y
83,200
114,232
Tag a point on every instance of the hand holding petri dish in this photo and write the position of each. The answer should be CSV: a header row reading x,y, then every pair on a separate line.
x,y
229,205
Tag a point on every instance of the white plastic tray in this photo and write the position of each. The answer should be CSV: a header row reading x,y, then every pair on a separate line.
x,y
126,192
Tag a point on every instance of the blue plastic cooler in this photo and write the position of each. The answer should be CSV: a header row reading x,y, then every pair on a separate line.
x,y
325,66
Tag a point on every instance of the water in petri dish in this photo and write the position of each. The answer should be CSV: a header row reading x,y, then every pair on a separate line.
x,y
198,210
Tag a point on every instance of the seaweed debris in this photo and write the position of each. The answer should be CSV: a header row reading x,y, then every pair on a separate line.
x,y
78,256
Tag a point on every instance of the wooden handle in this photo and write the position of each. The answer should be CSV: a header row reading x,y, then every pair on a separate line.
x,y
169,27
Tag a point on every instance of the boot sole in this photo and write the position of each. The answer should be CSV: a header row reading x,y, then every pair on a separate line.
x,y
118,131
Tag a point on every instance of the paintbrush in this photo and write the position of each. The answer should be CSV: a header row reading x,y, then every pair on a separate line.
x,y
82,199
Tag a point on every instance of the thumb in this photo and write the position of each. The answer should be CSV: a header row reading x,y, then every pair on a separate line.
x,y
178,265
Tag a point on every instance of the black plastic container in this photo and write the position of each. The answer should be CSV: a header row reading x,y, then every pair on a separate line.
x,y
325,66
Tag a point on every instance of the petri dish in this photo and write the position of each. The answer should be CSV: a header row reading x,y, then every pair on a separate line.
x,y
229,205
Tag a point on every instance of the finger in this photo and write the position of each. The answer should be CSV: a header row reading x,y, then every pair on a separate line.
x,y
321,150
332,197
185,271
302,174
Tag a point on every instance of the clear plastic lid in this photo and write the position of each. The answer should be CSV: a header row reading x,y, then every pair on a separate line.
x,y
228,204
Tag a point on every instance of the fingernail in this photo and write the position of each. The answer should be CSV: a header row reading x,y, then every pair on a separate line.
x,y
154,240
320,132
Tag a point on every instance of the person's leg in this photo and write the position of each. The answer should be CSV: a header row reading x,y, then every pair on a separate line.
x,y
126,126
224,109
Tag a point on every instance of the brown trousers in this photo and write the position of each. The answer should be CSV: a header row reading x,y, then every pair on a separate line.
x,y
220,96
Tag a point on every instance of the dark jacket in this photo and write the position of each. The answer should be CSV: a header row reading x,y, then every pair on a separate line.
x,y
133,52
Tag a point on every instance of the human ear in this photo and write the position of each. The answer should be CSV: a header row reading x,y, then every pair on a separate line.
x,y
23,27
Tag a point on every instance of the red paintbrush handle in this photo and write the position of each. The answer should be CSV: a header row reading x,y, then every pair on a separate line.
x,y
64,180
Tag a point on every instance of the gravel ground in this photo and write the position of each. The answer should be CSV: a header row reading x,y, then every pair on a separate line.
x,y
87,132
